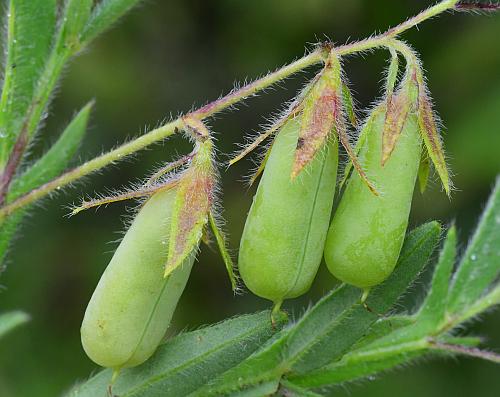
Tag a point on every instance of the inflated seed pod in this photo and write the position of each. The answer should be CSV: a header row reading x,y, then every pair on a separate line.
x,y
285,231
367,231
133,303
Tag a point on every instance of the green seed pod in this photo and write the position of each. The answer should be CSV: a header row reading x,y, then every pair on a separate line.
x,y
133,303
367,231
285,231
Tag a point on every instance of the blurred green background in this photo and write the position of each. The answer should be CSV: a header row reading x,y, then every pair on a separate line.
x,y
166,57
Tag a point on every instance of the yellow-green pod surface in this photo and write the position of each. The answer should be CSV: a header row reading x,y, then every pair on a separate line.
x,y
367,231
133,303
285,231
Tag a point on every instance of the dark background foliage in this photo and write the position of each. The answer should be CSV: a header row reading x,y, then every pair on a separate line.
x,y
166,57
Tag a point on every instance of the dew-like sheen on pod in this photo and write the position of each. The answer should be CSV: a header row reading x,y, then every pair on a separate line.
x,y
285,231
367,231
132,306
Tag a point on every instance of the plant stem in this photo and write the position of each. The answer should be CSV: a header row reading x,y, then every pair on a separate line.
x,y
466,351
258,85
93,165
317,56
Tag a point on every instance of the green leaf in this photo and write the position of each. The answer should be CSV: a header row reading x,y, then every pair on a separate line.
x,y
354,366
105,14
50,165
433,310
11,320
56,159
30,28
67,43
371,360
186,362
480,265
383,327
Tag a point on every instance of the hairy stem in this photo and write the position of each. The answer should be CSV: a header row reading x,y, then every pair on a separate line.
x,y
93,165
317,56
466,351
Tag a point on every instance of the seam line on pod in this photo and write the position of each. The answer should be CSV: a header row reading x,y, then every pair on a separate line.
x,y
151,314
306,240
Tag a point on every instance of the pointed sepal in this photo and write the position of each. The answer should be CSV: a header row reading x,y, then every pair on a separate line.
x,y
226,256
398,109
344,140
262,165
363,133
191,207
432,139
392,75
322,111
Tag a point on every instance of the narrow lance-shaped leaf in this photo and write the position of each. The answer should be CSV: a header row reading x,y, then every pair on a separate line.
x,y
433,309
30,28
226,257
192,206
371,360
432,138
67,43
480,265
322,109
56,159
188,361
383,327
355,365
11,320
104,15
